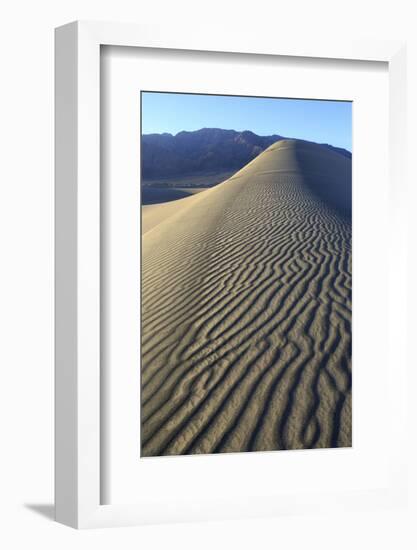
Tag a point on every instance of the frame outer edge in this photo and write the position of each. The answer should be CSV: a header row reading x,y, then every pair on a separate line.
x,y
399,246
66,346
88,275
77,245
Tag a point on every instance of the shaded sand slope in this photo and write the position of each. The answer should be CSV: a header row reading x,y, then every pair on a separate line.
x,y
246,311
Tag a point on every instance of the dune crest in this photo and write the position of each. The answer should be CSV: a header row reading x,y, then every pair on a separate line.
x,y
246,310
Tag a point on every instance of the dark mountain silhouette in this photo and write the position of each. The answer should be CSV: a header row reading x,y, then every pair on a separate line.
x,y
208,150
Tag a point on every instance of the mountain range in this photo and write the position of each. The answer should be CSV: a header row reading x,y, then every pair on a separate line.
x,y
208,150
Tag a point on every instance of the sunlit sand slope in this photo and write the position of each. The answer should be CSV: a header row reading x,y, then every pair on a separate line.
x,y
246,310
154,214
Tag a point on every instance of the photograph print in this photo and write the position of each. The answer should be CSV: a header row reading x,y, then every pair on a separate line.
x,y
246,274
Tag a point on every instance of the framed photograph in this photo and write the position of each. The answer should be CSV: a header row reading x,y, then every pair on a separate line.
x,y
230,334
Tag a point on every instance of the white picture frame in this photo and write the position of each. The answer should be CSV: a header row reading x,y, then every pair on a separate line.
x,y
78,321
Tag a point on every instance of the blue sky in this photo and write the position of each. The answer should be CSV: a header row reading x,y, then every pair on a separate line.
x,y
313,120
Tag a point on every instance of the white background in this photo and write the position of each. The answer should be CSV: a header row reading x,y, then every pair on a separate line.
x,y
26,303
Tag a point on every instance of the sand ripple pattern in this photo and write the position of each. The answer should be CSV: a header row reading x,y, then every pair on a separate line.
x,y
246,313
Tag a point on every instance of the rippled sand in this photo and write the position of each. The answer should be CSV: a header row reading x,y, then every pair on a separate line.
x,y
246,310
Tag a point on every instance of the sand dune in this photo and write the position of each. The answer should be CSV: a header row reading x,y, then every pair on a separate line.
x,y
246,310
154,214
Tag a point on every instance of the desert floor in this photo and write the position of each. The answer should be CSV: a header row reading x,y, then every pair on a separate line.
x,y
156,195
246,309
205,180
